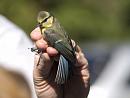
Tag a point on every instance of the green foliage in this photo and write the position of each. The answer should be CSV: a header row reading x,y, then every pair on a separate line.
x,y
82,19
21,12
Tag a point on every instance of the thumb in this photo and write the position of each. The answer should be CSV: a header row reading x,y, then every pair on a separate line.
x,y
43,64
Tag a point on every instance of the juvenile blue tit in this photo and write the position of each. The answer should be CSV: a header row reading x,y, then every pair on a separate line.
x,y
56,37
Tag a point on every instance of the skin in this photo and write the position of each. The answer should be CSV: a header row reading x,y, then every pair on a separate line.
x,y
77,85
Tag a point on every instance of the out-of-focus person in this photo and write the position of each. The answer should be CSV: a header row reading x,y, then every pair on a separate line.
x,y
13,85
14,52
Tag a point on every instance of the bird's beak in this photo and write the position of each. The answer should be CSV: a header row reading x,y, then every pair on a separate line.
x,y
39,25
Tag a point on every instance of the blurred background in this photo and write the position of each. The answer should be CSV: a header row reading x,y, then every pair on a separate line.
x,y
100,27
86,20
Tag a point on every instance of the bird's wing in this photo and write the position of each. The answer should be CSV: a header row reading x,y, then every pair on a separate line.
x,y
61,44
62,71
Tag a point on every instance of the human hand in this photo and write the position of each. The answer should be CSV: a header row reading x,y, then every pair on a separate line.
x,y
45,69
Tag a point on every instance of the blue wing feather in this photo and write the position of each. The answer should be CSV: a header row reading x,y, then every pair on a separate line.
x,y
62,71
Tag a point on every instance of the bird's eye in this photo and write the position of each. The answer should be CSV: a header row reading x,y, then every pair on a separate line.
x,y
45,20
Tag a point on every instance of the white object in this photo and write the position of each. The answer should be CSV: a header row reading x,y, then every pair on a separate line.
x,y
113,82
14,52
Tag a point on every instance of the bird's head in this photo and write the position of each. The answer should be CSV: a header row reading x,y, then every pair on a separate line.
x,y
44,19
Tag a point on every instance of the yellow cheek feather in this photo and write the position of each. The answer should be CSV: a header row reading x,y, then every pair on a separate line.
x,y
48,23
43,30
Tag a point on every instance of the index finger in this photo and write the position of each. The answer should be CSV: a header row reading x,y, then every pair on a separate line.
x,y
36,34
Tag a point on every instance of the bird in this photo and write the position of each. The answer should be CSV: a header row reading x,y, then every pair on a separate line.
x,y
57,38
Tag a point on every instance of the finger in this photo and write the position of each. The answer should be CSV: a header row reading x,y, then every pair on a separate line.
x,y
73,43
36,34
81,68
52,51
43,64
81,59
42,44
76,47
